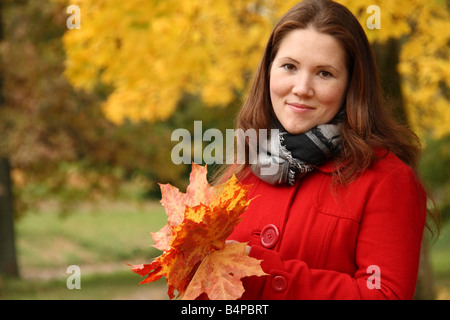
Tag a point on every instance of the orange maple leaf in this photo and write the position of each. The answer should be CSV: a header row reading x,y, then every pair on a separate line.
x,y
219,275
198,224
174,201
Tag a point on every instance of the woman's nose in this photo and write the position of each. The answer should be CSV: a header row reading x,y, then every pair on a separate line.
x,y
303,85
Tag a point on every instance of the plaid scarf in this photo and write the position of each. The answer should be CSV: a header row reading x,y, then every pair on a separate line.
x,y
286,157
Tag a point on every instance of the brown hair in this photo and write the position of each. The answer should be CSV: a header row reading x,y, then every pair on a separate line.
x,y
368,124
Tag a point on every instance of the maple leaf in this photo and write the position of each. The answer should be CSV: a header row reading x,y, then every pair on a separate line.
x,y
219,275
198,224
174,202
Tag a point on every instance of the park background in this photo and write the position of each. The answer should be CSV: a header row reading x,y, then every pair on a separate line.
x,y
86,117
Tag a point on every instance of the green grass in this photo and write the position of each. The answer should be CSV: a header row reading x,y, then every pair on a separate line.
x,y
120,285
101,240
102,234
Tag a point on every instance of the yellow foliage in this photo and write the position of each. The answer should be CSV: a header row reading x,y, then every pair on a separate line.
x,y
423,27
152,51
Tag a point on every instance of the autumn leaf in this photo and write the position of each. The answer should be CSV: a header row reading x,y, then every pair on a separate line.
x,y
219,275
198,224
174,201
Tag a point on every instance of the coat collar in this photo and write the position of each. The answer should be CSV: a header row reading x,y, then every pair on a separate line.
x,y
329,167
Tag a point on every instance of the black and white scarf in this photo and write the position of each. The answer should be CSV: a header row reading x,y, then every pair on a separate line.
x,y
287,157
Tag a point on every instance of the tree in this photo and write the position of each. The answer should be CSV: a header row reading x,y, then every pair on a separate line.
x,y
151,52
421,30
8,258
58,141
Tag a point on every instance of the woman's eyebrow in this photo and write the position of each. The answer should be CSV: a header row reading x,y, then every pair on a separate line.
x,y
318,67
328,66
289,58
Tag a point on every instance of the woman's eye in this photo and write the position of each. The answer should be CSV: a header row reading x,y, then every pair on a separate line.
x,y
288,67
325,74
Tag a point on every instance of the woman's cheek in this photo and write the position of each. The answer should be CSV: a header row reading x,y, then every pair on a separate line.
x,y
331,96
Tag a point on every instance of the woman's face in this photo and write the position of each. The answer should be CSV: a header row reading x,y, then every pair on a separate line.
x,y
308,80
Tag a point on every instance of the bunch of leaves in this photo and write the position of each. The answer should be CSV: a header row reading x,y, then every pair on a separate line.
x,y
196,259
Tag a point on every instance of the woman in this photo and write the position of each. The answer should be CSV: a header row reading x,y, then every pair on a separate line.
x,y
343,216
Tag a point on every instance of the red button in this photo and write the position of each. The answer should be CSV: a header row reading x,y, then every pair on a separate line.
x,y
269,236
279,284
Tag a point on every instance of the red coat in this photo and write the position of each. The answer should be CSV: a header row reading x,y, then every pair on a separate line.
x,y
358,242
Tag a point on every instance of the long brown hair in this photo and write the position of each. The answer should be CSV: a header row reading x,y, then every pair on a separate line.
x,y
368,124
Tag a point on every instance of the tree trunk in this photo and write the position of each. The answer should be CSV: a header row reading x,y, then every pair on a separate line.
x,y
8,259
388,56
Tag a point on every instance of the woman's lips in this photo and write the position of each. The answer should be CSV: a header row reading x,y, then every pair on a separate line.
x,y
299,107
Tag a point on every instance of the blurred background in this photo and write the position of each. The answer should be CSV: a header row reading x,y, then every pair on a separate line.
x,y
86,117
